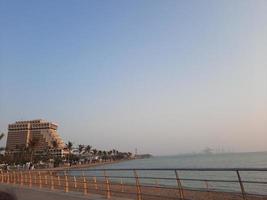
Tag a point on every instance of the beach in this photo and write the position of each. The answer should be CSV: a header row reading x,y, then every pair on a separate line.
x,y
88,165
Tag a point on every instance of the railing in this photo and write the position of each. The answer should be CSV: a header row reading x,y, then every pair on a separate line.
x,y
142,184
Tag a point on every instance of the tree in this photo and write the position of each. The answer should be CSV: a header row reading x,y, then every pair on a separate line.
x,y
2,135
129,155
69,146
57,161
88,149
105,155
110,154
114,151
95,152
80,148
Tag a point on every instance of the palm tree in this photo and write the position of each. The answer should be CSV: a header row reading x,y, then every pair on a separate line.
x,y
130,155
88,149
1,137
69,146
55,147
80,148
110,155
105,155
94,152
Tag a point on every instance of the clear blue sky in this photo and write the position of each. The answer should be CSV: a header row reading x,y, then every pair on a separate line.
x,y
165,77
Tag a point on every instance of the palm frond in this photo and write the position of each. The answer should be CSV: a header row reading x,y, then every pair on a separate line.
x,y
2,135
2,148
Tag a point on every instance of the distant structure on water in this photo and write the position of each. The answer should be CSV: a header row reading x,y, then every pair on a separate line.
x,y
143,156
22,134
207,150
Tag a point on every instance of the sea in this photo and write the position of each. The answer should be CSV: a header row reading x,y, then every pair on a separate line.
x,y
226,160
250,179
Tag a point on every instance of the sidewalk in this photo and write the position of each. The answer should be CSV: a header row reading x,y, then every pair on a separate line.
x,y
23,193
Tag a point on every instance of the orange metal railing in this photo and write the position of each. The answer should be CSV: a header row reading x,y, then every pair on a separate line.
x,y
142,184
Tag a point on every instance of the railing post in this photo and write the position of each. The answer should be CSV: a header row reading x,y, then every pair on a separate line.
x,y
84,185
58,180
208,190
95,183
11,177
122,188
7,178
66,183
40,179
107,185
35,178
18,178
14,175
30,179
179,185
157,185
14,178
2,176
52,181
25,179
21,179
138,187
156,182
241,185
46,180
75,182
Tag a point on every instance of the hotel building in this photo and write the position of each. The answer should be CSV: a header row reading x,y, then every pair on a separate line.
x,y
21,133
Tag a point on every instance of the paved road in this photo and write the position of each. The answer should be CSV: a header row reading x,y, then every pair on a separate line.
x,y
43,194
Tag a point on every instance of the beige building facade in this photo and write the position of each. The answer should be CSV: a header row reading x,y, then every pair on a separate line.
x,y
22,133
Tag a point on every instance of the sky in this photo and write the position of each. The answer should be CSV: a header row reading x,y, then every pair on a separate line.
x,y
165,77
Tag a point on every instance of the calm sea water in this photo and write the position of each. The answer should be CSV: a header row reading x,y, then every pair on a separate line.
x,y
230,160
233,160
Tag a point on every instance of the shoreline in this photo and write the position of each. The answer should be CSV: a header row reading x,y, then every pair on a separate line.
x,y
89,165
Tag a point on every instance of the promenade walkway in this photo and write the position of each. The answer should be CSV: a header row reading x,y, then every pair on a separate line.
x,y
24,193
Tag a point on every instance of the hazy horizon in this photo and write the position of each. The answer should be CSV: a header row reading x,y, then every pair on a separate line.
x,y
165,77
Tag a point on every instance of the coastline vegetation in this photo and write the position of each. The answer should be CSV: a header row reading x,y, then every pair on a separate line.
x,y
47,158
